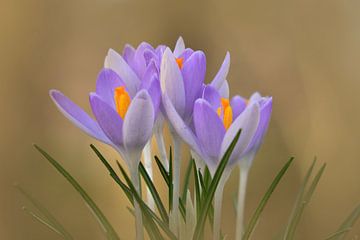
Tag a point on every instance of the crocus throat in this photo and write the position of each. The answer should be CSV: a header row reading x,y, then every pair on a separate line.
x,y
122,101
225,112
179,62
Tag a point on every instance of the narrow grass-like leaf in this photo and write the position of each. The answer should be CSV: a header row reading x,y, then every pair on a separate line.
x,y
298,204
186,180
346,226
109,230
197,190
154,233
254,219
154,193
113,173
212,188
304,201
48,218
171,185
162,170
44,222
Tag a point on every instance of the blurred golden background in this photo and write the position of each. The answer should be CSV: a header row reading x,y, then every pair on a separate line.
x,y
305,53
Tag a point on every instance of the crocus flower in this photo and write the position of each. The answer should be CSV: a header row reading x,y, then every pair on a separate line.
x,y
123,119
217,120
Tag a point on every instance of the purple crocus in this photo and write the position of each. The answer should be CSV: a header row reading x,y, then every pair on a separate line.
x,y
123,119
125,105
216,121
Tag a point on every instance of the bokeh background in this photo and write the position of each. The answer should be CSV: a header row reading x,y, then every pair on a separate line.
x,y
305,53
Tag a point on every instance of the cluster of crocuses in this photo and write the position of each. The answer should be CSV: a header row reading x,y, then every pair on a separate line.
x,y
140,89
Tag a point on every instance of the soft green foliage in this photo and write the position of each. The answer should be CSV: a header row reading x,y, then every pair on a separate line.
x,y
196,205
108,229
45,217
255,218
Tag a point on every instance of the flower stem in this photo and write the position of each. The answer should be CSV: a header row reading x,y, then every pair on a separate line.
x,y
161,147
217,210
176,182
138,214
149,170
241,202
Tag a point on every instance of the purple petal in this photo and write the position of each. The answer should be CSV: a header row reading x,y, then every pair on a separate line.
x,y
108,119
179,125
179,47
139,58
116,62
186,54
222,73
193,72
224,89
265,115
138,122
171,81
209,129
248,122
212,96
106,83
152,85
78,116
238,105
255,97
128,54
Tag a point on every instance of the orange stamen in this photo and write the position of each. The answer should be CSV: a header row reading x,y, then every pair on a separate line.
x,y
122,101
179,62
225,111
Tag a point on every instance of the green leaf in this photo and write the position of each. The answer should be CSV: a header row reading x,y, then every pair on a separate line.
x,y
48,219
346,226
186,180
108,229
197,190
154,193
113,174
212,188
171,185
298,205
305,199
254,219
163,171
44,222
154,231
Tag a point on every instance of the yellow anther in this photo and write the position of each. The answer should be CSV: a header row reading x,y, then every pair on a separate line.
x,y
179,62
122,101
228,117
225,112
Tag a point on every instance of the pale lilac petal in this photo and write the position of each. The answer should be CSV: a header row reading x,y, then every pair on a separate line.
x,y
138,122
106,84
152,85
115,62
186,54
78,116
248,122
150,71
224,89
128,54
171,81
179,47
193,72
222,73
212,96
255,97
238,105
179,125
108,119
265,115
209,129
139,58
